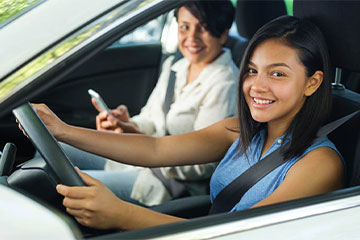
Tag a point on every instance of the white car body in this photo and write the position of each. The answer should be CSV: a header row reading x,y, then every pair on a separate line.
x,y
329,216
23,218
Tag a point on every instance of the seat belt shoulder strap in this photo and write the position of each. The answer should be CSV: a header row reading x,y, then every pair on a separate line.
x,y
233,192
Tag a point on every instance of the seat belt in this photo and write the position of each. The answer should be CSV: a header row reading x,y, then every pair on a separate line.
x,y
174,187
169,94
233,192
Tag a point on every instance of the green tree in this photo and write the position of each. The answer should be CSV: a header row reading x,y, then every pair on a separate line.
x,y
9,9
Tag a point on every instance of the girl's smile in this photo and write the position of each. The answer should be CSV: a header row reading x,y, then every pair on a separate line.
x,y
261,102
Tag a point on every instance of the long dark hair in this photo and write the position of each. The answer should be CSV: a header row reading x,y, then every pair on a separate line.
x,y
311,48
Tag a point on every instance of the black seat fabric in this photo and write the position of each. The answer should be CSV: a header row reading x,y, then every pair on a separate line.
x,y
237,48
339,22
250,15
189,207
352,81
347,137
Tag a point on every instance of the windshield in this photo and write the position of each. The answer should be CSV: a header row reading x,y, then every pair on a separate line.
x,y
9,9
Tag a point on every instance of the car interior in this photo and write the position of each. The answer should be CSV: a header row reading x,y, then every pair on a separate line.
x,y
127,74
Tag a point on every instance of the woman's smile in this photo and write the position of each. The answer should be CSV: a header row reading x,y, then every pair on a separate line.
x,y
194,49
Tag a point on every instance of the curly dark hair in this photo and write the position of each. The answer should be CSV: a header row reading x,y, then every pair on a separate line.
x,y
215,16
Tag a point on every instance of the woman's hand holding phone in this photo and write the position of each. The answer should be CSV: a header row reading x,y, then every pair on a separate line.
x,y
109,123
115,120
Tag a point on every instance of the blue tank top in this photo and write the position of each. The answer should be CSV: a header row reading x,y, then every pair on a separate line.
x,y
234,163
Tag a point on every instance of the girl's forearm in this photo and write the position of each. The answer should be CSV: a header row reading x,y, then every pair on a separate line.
x,y
203,146
131,217
120,147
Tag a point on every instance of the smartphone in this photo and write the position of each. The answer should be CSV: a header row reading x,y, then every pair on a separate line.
x,y
100,102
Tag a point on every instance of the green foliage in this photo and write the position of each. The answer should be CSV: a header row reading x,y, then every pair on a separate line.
x,y
9,9
289,6
233,2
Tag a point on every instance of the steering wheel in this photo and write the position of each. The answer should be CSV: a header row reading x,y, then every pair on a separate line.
x,y
7,159
47,145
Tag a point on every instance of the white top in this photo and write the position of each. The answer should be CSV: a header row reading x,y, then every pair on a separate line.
x,y
208,99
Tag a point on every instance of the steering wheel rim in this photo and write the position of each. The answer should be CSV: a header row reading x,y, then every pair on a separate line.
x,y
47,145
7,159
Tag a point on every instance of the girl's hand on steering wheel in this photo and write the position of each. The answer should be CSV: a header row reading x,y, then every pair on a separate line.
x,y
94,205
55,125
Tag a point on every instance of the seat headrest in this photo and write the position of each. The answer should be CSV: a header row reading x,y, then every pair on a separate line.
x,y
252,14
339,21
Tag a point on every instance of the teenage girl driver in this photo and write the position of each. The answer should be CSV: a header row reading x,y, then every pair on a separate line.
x,y
284,97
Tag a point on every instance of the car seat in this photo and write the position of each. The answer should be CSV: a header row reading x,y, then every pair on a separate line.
x,y
250,15
339,21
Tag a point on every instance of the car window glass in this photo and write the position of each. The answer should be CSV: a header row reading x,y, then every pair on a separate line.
x,y
162,29
151,31
29,73
289,6
9,9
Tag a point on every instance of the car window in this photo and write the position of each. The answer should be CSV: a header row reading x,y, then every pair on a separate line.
x,y
67,47
289,6
162,29
151,31
9,9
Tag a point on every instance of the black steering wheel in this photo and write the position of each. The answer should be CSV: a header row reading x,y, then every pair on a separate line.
x,y
7,159
47,145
